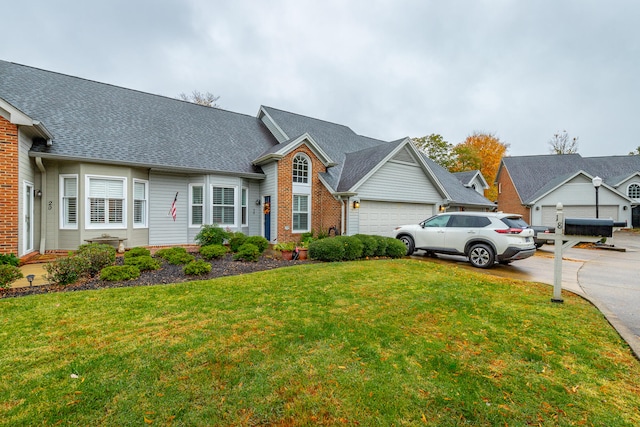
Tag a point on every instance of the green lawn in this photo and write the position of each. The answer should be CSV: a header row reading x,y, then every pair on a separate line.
x,y
390,342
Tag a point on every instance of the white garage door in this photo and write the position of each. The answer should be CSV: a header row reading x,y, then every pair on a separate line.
x,y
382,217
549,213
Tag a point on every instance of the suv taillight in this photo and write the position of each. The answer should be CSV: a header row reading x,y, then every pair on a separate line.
x,y
509,230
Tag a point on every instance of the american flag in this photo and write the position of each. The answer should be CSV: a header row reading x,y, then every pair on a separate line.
x,y
173,211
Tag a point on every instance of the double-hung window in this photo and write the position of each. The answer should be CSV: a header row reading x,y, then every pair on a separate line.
x,y
224,206
300,213
106,202
196,195
244,207
140,203
69,202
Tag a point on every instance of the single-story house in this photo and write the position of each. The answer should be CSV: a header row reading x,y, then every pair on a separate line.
x,y
83,159
533,185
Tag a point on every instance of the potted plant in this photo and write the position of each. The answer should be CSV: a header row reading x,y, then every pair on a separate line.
x,y
286,248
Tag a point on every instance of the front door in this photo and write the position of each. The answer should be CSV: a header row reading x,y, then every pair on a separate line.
x,y
266,210
27,226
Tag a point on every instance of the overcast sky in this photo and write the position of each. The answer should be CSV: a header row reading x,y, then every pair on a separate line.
x,y
520,69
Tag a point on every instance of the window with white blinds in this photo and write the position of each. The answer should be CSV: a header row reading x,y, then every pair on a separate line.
x,y
106,202
300,213
197,205
140,203
244,206
224,206
69,201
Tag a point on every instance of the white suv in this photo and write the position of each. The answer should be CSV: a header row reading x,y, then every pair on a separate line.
x,y
484,237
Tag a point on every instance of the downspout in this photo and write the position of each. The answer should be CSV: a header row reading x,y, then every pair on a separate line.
x,y
43,205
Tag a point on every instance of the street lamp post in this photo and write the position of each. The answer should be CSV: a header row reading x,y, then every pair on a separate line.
x,y
597,182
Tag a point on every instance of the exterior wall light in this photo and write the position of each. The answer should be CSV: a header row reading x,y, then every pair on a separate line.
x,y
356,204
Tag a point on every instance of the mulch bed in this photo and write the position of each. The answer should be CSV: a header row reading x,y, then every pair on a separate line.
x,y
166,274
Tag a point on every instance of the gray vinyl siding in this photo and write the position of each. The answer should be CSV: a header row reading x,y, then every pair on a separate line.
x,y
163,230
399,182
254,211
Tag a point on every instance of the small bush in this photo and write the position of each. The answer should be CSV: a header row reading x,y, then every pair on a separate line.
x,y
143,262
119,273
176,255
259,241
67,270
236,240
369,245
213,251
9,274
352,247
381,247
395,248
247,252
9,259
211,235
98,254
137,251
197,268
328,249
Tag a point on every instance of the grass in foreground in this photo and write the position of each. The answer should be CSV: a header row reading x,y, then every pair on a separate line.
x,y
366,343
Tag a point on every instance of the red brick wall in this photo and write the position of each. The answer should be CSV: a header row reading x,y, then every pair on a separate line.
x,y
9,187
325,209
508,198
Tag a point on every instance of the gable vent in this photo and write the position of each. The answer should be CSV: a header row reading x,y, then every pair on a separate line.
x,y
404,156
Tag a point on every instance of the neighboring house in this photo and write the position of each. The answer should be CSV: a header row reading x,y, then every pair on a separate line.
x,y
533,185
82,159
474,180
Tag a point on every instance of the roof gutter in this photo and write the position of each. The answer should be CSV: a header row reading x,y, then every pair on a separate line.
x,y
44,132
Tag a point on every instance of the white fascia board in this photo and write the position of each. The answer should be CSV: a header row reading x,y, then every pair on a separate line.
x,y
262,112
14,115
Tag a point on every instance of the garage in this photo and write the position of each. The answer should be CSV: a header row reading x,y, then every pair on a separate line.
x,y
381,218
549,213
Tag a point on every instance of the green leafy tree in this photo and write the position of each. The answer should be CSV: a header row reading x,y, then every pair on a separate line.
x,y
636,152
437,149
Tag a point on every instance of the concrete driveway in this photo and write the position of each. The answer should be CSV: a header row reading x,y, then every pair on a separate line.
x,y
609,279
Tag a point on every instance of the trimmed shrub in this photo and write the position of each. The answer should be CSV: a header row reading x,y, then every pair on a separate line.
x,y
9,274
247,252
119,273
9,259
236,240
381,248
328,249
143,262
211,235
137,251
99,256
369,245
176,255
395,248
352,247
197,268
67,270
259,241
213,251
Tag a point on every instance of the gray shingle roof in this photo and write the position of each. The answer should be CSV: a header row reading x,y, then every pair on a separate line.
x,y
106,123
533,176
460,195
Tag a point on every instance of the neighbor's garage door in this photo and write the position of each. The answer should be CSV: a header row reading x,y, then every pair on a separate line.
x,y
549,213
382,217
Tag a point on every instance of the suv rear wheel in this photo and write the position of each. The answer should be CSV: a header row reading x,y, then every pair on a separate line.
x,y
481,256
408,242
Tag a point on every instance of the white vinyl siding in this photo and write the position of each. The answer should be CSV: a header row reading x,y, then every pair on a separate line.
x,y
69,202
224,206
409,183
140,203
106,202
196,205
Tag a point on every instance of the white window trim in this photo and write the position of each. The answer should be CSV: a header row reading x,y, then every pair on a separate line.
x,y
244,190
308,228
87,207
191,204
629,190
236,204
64,226
145,224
